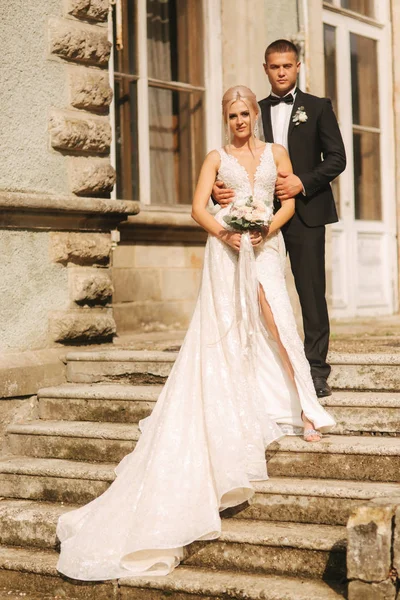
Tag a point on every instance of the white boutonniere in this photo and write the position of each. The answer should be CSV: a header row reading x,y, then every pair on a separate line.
x,y
300,116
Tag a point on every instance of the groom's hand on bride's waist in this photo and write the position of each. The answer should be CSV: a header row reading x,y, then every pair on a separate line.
x,y
223,196
288,186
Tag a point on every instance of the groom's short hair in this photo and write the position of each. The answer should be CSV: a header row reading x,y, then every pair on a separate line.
x,y
281,46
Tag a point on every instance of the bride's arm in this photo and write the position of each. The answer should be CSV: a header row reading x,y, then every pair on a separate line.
x,y
286,211
202,193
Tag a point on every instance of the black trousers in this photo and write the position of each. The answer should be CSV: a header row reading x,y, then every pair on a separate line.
x,y
306,248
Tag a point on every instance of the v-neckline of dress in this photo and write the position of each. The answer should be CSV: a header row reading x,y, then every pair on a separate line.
x,y
246,171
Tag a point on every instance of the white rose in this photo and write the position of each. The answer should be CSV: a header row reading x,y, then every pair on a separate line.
x,y
303,117
240,202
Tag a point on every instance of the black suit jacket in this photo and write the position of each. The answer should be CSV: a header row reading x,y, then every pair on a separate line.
x,y
317,153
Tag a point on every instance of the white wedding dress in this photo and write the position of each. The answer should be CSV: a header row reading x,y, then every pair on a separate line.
x,y
226,399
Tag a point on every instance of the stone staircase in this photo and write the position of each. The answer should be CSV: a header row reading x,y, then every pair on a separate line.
x,y
288,543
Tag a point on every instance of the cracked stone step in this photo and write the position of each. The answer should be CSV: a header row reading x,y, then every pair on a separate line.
x,y
355,412
30,570
125,366
278,499
260,547
116,403
335,457
349,371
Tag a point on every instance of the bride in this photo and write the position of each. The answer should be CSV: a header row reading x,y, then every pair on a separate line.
x,y
240,381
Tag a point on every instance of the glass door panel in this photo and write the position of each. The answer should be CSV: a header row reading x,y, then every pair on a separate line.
x,y
366,128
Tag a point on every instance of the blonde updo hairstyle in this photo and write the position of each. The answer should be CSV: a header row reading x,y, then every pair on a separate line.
x,y
243,93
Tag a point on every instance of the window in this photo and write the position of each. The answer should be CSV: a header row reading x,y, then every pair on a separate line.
x,y
366,127
331,87
363,7
159,99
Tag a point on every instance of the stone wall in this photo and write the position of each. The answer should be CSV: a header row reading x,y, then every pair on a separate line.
x,y
156,271
373,552
56,178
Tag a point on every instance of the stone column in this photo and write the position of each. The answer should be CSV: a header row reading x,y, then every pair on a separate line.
x,y
373,551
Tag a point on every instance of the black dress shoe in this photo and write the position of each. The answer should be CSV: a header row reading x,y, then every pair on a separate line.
x,y
321,387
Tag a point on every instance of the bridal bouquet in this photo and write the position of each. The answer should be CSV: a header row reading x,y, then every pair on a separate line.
x,y
247,213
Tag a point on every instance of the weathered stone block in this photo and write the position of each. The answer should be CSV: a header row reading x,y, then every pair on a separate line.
x,y
80,248
92,286
91,176
131,285
180,284
359,590
93,10
82,326
89,89
82,43
77,133
369,542
124,256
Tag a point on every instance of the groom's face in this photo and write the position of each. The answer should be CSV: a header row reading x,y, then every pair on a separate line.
x,y
282,70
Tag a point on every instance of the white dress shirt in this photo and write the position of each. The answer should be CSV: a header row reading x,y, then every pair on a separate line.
x,y
280,119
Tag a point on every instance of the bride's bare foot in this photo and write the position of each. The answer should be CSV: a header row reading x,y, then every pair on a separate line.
x,y
310,433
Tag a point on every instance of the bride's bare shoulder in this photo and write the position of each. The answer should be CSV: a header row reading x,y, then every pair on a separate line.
x,y
213,158
278,151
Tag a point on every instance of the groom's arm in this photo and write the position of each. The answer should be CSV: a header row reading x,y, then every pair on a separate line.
x,y
333,152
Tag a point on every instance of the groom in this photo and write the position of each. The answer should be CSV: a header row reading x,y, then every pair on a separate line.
x,y
307,127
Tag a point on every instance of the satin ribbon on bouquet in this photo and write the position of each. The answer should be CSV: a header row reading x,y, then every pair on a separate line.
x,y
248,296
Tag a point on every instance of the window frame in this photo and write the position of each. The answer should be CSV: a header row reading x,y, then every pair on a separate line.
x,y
212,90
381,11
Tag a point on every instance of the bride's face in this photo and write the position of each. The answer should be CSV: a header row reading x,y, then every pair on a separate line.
x,y
240,119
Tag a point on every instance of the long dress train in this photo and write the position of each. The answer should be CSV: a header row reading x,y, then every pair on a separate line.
x,y
227,398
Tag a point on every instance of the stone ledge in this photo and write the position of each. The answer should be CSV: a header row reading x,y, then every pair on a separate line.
x,y
23,373
34,202
164,225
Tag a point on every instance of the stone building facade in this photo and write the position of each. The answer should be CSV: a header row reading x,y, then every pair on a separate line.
x,y
102,101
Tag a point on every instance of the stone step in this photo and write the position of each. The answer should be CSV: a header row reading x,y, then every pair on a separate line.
x,y
360,458
260,547
335,457
124,366
29,570
26,523
75,440
368,412
355,412
365,371
304,550
349,371
278,499
115,403
32,570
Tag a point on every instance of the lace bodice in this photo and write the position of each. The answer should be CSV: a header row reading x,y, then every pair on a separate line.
x,y
235,176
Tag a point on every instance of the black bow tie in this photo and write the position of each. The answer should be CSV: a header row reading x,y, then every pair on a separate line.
x,y
274,100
